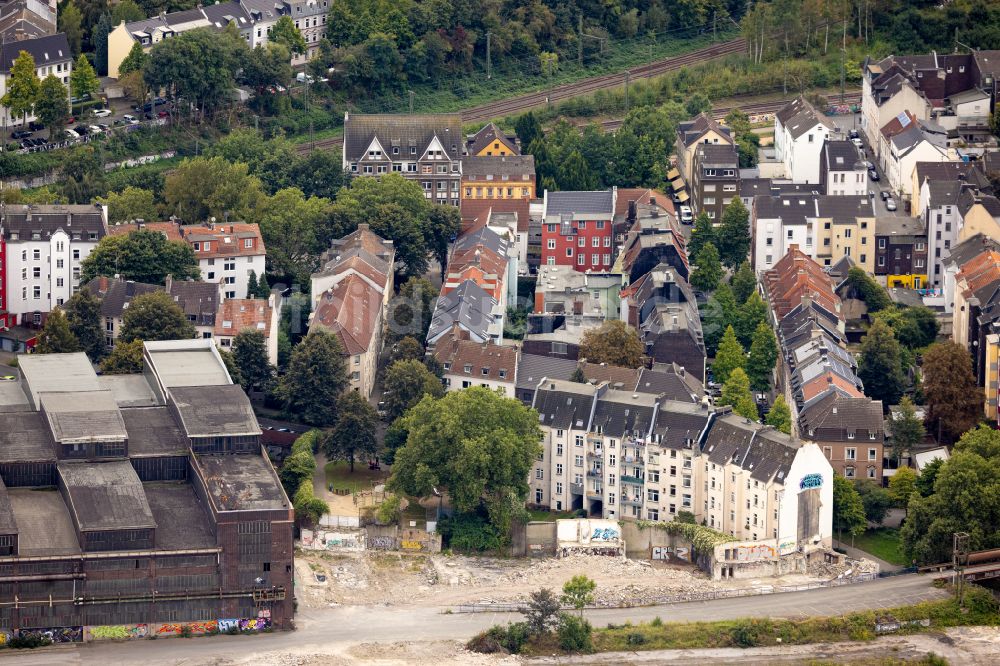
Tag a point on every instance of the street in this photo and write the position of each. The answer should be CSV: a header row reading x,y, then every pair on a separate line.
x,y
320,631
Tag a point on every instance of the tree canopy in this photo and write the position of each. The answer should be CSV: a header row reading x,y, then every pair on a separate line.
x,y
155,316
614,343
353,436
848,508
736,392
56,337
733,234
954,403
141,256
763,356
879,365
315,378
83,313
52,105
249,351
780,416
729,356
405,384
708,270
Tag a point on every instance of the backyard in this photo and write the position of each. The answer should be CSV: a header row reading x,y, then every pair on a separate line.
x,y
338,475
883,543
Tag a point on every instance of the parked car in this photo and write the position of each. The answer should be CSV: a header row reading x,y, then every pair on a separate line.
x,y
77,100
159,101
71,134
853,134
104,127
82,130
102,113
162,114
70,120
873,174
94,129
869,165
687,217
302,77
885,195
130,119
890,204
34,126
21,134
857,142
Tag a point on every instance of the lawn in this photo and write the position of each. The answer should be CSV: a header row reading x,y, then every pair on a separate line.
x,y
883,543
363,478
548,516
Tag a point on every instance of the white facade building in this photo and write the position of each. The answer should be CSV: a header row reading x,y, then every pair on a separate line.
x,y
799,134
52,56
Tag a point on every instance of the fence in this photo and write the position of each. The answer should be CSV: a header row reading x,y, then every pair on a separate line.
x,y
709,595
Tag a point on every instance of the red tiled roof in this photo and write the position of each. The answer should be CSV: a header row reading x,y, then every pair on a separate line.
x,y
894,126
351,310
239,314
981,270
224,240
642,195
796,276
476,212
492,358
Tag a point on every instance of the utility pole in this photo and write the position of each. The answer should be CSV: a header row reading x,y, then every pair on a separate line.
x,y
843,72
489,59
627,75
959,560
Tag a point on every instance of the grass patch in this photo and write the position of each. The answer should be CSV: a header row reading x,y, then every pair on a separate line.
x,y
549,516
884,543
338,473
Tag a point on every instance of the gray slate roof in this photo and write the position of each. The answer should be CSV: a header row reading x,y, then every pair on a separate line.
x,y
47,50
512,166
532,367
623,413
105,496
468,305
830,416
842,156
43,221
580,203
564,404
678,423
403,131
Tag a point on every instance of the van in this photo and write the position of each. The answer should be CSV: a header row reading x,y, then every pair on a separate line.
x,y
687,217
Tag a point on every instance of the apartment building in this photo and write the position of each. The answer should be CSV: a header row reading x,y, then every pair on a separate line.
x,y
842,169
22,20
44,247
577,229
702,130
800,132
623,455
427,149
901,252
715,178
466,364
52,56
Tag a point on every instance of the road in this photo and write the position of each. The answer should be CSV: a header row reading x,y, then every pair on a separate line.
x,y
320,630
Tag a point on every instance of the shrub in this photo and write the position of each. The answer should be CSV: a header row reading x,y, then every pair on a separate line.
x,y
657,622
511,638
388,511
469,533
574,634
748,633
185,631
29,642
636,638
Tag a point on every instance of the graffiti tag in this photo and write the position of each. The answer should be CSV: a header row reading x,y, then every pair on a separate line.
x,y
55,634
176,628
244,624
668,552
811,481
604,534
786,547
382,543
755,553
116,632
407,544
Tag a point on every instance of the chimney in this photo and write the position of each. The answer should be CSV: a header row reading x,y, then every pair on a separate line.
x,y
631,217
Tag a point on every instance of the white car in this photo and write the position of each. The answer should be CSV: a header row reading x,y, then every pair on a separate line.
x,y
687,217
102,113
71,134
129,118
857,142
94,129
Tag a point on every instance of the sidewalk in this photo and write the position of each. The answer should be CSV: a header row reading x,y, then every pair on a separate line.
x,y
859,554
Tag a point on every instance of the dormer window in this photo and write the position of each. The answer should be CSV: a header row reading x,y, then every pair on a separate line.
x,y
467,368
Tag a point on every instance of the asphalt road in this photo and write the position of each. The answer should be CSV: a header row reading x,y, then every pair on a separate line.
x,y
321,629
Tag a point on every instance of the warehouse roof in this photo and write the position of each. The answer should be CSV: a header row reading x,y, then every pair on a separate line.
x,y
206,411
105,496
241,483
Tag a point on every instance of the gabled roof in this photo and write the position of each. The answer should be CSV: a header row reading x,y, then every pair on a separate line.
x,y
351,310
241,314
580,204
476,212
841,156
970,248
624,414
899,123
720,155
692,131
564,404
681,425
403,131
488,134
105,496
361,251
833,416
484,360
467,306
799,117
532,367
22,222
797,276
46,51
507,170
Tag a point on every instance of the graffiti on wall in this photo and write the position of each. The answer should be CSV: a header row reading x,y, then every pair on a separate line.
x,y
177,628
121,632
55,634
786,547
244,624
382,543
604,534
669,553
4,637
409,544
811,481
753,553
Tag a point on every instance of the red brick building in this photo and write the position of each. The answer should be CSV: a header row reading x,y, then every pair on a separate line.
x,y
577,230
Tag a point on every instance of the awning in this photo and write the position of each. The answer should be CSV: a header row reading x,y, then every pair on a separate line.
x,y
682,196
673,174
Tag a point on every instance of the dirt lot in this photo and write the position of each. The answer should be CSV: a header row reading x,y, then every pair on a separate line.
x,y
429,653
397,579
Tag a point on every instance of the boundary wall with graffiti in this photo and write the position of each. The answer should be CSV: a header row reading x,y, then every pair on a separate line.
x,y
129,632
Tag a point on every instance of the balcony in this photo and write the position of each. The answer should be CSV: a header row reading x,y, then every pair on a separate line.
x,y
594,473
595,494
632,460
633,479
632,501
595,455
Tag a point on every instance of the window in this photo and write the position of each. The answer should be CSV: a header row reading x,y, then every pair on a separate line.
x,y
881,243
595,258
871,472
539,495
552,244
59,263
872,453
653,495
581,241
611,498
578,461
36,272
596,241
579,440
559,488
569,252
581,259
36,293
59,282
849,472
539,474
851,454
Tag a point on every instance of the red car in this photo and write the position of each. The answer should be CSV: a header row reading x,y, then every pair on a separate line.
x,y
162,114
71,120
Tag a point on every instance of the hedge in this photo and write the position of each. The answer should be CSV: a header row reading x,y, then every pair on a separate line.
x,y
704,539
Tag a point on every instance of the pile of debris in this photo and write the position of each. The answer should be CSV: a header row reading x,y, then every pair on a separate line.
x,y
846,568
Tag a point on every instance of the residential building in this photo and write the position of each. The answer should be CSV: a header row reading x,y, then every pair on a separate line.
x,y
843,170
618,454
351,294
470,308
652,237
52,56
800,132
653,209
237,315
823,227
558,334
914,141
491,141
976,305
466,364
27,19
980,214
148,497
901,252
427,149
562,290
703,129
577,229
888,89
773,187
962,253
486,258
44,247
227,253
715,178
849,430
509,177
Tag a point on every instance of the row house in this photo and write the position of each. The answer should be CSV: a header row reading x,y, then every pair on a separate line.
x,y
426,149
577,229
843,170
258,315
465,364
227,254
715,178
52,56
800,132
43,247
472,309
702,130
561,290
350,298
906,142
491,141
824,227
901,252
652,237
817,374
22,20
644,205
618,454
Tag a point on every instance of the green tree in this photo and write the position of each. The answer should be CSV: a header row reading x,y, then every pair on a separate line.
x,y
954,403
928,475
442,226
780,416
410,312
729,356
477,444
848,509
23,86
876,500
405,384
284,32
52,105
879,365
733,234
743,282
252,284
125,359
915,327
749,316
763,356
249,351
702,233
407,349
315,379
267,64
354,434
864,287
982,440
83,313
99,38
126,11
902,485
578,592
578,376
132,203
136,61
614,343
575,173
717,313
83,79
708,271
736,392
55,336
292,227
542,611
528,128
141,256
82,175
231,367
200,188
71,23
155,316
907,429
